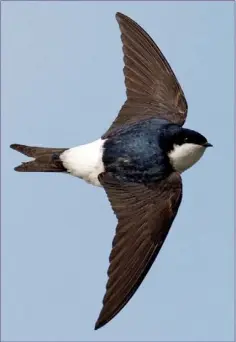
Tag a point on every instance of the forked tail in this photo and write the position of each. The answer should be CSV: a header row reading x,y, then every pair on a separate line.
x,y
45,159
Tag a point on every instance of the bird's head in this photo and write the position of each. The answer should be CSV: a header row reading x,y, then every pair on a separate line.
x,y
184,147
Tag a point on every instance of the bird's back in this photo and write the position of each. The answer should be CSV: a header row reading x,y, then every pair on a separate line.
x,y
134,154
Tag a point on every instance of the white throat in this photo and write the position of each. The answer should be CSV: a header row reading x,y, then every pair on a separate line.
x,y
182,157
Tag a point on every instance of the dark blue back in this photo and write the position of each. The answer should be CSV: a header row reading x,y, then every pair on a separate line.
x,y
134,153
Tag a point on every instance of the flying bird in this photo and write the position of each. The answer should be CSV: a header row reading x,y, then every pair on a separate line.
x,y
138,161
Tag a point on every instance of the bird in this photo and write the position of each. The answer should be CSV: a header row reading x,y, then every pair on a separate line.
x,y
138,162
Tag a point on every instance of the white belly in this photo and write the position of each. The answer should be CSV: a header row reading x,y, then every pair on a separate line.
x,y
85,161
182,157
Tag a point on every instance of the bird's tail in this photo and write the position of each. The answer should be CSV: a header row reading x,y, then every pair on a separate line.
x,y
45,159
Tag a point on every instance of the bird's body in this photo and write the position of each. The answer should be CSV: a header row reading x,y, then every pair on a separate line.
x,y
134,153
138,162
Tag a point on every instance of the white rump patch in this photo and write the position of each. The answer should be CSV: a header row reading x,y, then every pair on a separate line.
x,y
184,156
85,161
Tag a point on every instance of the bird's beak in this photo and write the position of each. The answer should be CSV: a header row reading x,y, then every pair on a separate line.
x,y
207,144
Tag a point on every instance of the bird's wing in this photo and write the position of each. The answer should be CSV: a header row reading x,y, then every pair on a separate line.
x,y
151,87
145,214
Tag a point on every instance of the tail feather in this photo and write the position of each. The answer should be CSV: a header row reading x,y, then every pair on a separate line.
x,y
45,159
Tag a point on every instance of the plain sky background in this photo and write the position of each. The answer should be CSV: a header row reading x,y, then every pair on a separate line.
x,y
62,85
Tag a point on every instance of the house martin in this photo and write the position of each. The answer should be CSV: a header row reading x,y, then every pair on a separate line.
x,y
138,162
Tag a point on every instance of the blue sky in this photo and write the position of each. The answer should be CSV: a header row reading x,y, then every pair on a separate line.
x,y
62,85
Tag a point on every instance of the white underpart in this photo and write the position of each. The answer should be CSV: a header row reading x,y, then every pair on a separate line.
x,y
85,161
184,156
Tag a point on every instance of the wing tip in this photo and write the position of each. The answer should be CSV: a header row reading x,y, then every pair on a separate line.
x,y
103,319
99,324
120,16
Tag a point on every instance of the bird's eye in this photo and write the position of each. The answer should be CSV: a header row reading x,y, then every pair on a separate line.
x,y
185,139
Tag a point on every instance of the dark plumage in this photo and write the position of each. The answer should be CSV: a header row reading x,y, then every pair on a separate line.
x,y
145,214
134,153
46,159
138,152
138,162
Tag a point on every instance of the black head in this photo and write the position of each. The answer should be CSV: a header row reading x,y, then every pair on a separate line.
x,y
184,147
192,137
176,135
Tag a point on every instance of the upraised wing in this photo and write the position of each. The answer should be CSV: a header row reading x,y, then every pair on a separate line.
x,y
151,86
